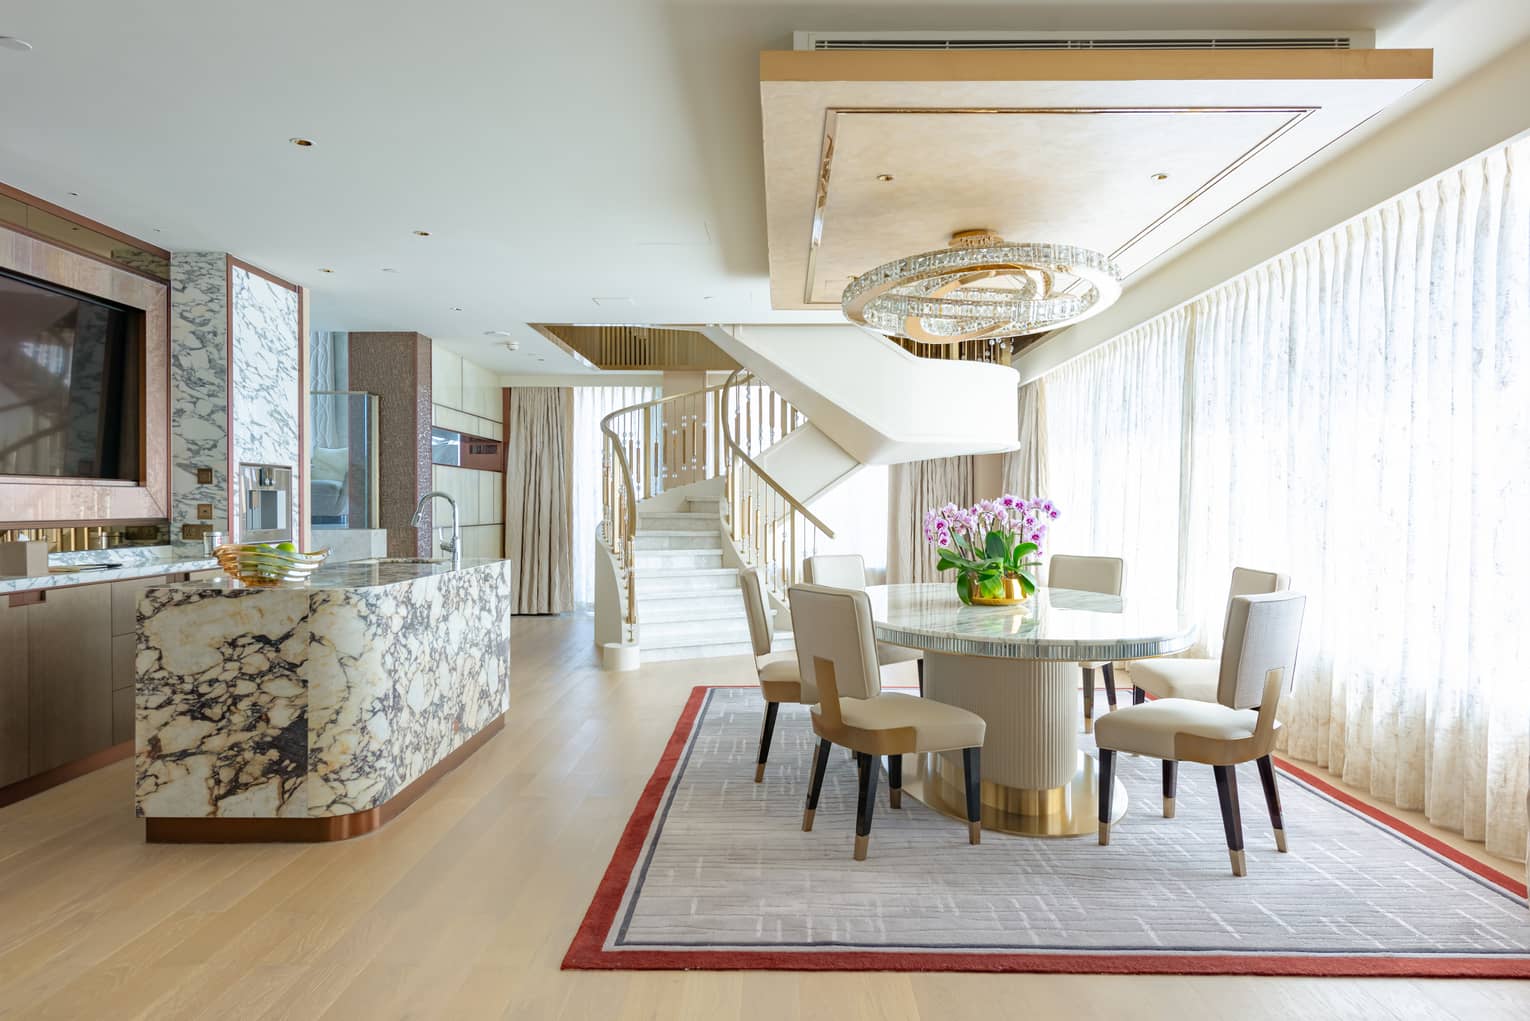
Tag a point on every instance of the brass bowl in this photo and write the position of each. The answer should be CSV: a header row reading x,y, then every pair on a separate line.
x,y
259,564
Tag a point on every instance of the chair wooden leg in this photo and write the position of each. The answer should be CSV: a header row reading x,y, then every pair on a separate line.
x,y
866,802
1107,789
1272,800
920,663
768,729
1170,781
1109,670
820,766
1088,700
1138,695
1232,818
972,777
895,781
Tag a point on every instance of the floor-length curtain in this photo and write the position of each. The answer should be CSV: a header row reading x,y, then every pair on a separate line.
x,y
1356,413
1025,469
1113,451
591,404
538,522
912,489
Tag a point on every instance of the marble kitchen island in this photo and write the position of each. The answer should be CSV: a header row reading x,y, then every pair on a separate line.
x,y
314,712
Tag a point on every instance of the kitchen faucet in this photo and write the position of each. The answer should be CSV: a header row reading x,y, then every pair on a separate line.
x,y
452,545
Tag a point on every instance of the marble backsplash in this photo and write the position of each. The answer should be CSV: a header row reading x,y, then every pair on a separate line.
x,y
266,353
198,388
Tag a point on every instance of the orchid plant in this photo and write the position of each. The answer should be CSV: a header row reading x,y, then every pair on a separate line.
x,y
990,541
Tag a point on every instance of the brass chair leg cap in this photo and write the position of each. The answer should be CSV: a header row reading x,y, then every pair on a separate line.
x,y
759,772
1168,808
1104,833
807,819
1239,866
1088,725
974,833
1280,841
860,847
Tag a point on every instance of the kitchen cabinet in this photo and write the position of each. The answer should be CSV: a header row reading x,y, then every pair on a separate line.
x,y
69,675
14,693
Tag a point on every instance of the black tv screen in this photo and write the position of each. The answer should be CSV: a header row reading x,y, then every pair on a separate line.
x,y
71,382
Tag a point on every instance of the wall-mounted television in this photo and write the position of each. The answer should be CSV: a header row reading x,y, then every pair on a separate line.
x,y
71,383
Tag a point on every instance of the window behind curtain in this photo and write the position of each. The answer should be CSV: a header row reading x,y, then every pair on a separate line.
x,y
591,404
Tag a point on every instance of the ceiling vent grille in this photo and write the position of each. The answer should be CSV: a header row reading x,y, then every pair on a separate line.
x,y
1083,41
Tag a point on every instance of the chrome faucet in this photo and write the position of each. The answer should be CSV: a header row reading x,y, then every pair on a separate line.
x,y
452,545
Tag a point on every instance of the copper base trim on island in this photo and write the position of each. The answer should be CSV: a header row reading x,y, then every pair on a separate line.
x,y
32,785
315,829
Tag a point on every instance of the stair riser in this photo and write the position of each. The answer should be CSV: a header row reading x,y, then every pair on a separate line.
x,y
680,522
695,540
697,652
706,632
655,585
683,560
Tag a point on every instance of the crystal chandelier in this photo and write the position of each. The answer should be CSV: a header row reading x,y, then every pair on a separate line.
x,y
980,288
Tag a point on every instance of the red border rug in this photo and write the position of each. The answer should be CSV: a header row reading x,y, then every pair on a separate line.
x,y
587,951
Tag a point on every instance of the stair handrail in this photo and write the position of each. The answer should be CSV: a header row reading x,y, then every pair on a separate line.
x,y
619,515
770,527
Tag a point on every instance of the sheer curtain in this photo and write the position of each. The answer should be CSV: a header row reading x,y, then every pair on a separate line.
x,y
538,486
1025,470
1113,450
1357,413
591,404
912,489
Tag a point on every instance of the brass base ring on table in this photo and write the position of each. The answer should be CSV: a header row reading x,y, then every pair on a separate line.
x,y
1068,811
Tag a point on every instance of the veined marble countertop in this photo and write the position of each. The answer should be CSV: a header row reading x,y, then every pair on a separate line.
x,y
1054,624
353,574
136,561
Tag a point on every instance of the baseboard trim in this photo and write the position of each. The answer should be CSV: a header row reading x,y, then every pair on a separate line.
x,y
32,785
313,830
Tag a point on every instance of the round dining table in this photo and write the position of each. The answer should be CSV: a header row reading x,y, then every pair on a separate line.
x,y
1018,667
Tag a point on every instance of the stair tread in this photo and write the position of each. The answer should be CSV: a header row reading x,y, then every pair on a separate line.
x,y
681,572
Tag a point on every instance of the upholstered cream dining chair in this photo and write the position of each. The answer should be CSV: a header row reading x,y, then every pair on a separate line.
x,y
778,676
1258,659
1197,678
848,570
1090,574
837,655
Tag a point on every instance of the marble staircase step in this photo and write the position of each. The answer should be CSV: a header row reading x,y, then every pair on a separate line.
x,y
677,633
697,651
652,581
709,604
679,560
678,521
671,539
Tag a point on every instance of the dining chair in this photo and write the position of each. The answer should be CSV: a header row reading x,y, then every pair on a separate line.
x,y
1256,669
777,674
1090,574
848,570
1197,678
836,654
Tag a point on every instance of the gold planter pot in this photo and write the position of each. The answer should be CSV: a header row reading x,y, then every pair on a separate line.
x,y
1013,594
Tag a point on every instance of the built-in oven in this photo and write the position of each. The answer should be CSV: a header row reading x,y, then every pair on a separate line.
x,y
265,503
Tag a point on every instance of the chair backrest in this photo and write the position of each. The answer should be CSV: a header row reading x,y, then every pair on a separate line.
x,y
1262,635
762,631
1246,581
1086,574
835,624
840,570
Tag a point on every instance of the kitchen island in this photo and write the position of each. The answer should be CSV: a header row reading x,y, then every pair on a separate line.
x,y
318,711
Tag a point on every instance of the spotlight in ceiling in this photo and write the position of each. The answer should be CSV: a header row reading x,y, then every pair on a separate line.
x,y
325,269
497,333
422,233
511,345
1160,177
884,178
456,308
74,194
389,269
10,42
302,143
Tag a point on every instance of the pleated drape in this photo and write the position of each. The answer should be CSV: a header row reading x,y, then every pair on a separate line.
x,y
1025,470
538,518
1356,412
912,489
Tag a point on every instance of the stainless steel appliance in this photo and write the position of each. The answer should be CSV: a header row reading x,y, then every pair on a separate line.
x,y
265,503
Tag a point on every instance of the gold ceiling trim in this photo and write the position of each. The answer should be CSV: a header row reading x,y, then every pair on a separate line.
x,y
827,153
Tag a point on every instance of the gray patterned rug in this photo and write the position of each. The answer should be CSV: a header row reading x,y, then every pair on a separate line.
x,y
715,872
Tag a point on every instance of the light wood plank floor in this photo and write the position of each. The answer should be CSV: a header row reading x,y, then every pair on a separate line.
x,y
463,906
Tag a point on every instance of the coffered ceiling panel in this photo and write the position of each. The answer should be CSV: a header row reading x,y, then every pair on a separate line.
x,y
1131,153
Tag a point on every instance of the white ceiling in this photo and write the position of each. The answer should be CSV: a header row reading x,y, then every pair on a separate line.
x,y
559,151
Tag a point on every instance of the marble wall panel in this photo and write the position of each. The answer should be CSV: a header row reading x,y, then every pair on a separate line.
x,y
265,349
198,388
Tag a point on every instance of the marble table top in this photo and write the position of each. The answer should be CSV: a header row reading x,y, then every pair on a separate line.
x,y
352,574
1054,624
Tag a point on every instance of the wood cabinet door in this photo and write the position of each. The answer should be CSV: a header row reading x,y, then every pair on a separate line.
x,y
14,744
70,674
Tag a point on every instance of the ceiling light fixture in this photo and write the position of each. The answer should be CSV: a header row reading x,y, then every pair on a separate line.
x,y
389,269
302,143
325,269
498,333
456,308
10,42
1160,177
982,287
884,178
422,233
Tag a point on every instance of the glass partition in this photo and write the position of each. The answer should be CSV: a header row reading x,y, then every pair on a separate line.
x,y
342,469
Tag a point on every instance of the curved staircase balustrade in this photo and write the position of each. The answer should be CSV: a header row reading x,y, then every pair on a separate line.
x,y
715,432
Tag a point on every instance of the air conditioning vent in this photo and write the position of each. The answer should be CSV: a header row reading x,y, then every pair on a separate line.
x,y
1083,41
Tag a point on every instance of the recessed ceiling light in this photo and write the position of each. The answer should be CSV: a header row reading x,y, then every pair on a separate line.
x,y
422,233
325,269
498,333
1160,177
884,178
389,269
613,301
302,143
158,230
74,194
10,42
456,308
511,345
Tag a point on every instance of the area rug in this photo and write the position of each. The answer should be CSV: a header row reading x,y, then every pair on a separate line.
x,y
714,872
